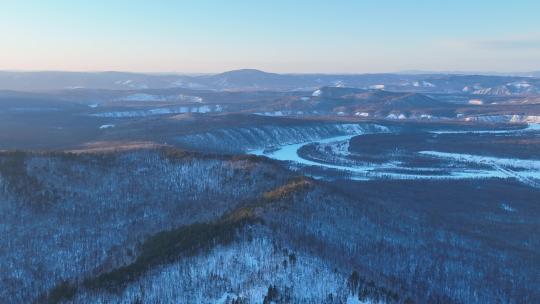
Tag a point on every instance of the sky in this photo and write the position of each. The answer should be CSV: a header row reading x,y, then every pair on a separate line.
x,y
288,36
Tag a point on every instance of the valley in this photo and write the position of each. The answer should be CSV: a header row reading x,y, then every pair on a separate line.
x,y
253,187
390,160
270,152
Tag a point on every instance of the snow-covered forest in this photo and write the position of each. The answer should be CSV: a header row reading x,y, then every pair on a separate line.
x,y
164,225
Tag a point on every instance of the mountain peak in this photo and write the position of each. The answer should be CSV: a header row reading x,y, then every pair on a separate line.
x,y
246,72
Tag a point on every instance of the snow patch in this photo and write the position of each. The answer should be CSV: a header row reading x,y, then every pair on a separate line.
x,y
510,118
507,207
510,162
353,299
362,114
160,111
396,116
142,97
476,102
428,84
502,90
339,84
188,98
520,85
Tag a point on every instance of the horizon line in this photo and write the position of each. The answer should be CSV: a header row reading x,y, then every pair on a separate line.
x,y
164,73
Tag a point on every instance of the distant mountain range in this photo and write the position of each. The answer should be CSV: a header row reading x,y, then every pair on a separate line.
x,y
490,73
255,80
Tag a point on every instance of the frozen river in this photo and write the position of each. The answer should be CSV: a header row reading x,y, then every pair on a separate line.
x,y
527,171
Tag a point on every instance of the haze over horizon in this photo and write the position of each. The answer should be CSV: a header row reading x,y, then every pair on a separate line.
x,y
278,36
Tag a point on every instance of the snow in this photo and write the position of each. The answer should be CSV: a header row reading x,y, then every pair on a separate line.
x,y
160,111
272,114
508,118
132,84
362,114
189,98
510,162
339,84
108,126
507,207
338,148
423,84
502,90
490,118
525,171
531,127
377,86
225,297
290,152
520,85
482,91
228,272
142,97
532,120
204,109
124,82
353,299
392,116
476,102
316,93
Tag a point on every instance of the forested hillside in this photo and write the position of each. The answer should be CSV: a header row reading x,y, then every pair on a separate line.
x,y
167,225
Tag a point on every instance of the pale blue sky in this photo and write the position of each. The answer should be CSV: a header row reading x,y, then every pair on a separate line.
x,y
280,35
